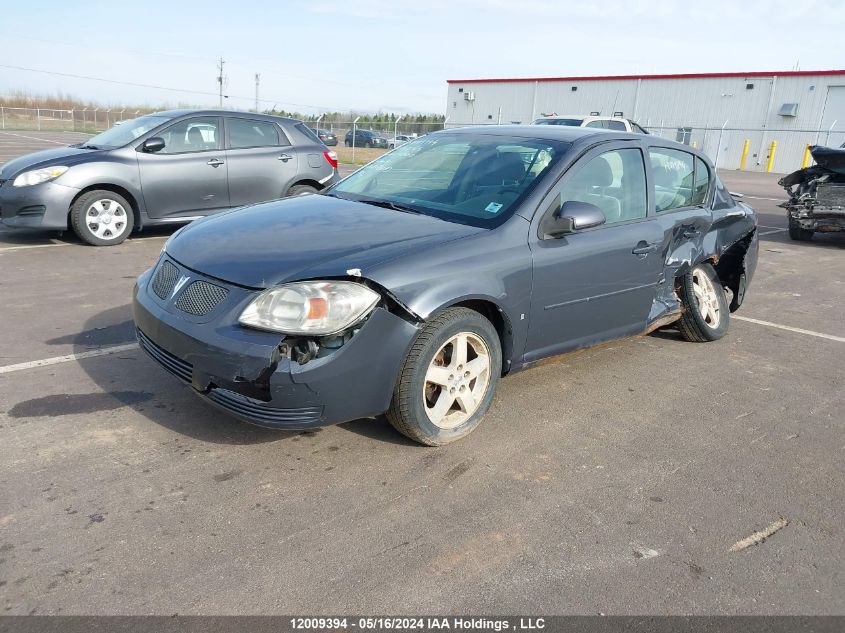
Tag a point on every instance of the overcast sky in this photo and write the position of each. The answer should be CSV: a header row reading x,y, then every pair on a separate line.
x,y
392,56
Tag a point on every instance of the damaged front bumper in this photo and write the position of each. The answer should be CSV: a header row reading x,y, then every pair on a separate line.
x,y
257,376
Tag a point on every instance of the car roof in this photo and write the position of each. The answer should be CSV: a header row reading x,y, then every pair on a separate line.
x,y
212,112
569,134
551,132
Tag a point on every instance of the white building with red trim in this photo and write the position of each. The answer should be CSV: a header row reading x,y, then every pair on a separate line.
x,y
716,111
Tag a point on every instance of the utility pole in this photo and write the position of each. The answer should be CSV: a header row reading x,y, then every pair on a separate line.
x,y
257,81
220,80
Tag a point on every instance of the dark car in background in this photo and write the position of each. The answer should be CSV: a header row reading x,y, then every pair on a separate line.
x,y
329,138
414,284
816,194
166,167
365,138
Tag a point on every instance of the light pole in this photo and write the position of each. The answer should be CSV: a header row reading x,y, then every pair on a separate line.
x,y
396,128
354,129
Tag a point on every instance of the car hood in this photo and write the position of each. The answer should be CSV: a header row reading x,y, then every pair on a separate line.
x,y
58,156
304,238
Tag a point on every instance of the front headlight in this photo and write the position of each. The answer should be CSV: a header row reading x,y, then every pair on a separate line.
x,y
319,308
37,176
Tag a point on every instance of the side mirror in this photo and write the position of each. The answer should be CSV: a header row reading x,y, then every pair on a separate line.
x,y
152,145
575,215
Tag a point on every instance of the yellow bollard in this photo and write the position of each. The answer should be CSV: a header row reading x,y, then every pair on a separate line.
x,y
806,162
744,155
694,145
772,149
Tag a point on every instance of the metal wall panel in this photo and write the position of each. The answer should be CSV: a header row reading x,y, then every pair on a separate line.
x,y
665,104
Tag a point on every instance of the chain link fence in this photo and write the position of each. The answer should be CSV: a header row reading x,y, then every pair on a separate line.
x,y
79,120
752,149
777,150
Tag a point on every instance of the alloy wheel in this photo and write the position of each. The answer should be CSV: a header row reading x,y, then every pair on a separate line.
x,y
706,298
456,380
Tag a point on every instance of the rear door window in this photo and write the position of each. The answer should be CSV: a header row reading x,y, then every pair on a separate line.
x,y
617,125
245,133
702,182
672,172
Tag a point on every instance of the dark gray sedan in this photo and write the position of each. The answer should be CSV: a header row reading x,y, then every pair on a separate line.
x,y
167,167
414,284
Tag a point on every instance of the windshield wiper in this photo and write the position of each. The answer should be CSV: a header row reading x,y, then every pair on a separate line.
x,y
387,204
87,147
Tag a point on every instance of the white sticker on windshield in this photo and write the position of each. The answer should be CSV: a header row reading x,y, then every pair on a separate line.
x,y
493,207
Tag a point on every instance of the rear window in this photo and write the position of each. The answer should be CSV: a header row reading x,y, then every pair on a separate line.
x,y
308,132
569,122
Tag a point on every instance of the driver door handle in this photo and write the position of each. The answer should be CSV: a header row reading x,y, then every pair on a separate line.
x,y
285,158
643,248
215,162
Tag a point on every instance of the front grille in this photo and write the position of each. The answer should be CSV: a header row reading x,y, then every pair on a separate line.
x,y
180,368
200,298
258,411
165,279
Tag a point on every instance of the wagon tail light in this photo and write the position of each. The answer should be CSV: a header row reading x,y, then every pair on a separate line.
x,y
331,157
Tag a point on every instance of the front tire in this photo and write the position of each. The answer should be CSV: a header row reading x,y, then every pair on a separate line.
x,y
102,218
448,379
797,233
706,315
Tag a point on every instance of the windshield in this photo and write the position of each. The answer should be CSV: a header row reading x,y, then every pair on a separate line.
x,y
569,122
475,179
126,132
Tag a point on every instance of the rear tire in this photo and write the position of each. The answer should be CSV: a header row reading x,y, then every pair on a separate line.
x,y
301,190
448,379
102,218
797,233
706,314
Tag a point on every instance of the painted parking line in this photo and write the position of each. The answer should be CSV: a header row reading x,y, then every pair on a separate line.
x,y
769,232
761,198
56,360
789,328
115,349
28,246
34,138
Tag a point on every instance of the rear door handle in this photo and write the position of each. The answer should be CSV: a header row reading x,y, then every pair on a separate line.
x,y
285,158
215,162
689,233
644,248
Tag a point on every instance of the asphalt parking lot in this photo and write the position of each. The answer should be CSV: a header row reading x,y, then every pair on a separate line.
x,y
615,480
